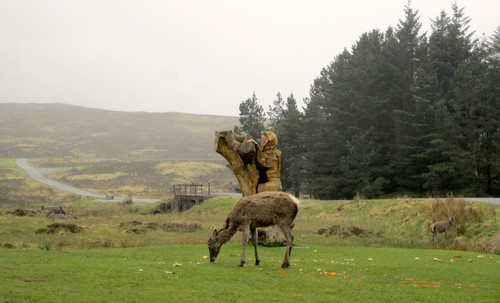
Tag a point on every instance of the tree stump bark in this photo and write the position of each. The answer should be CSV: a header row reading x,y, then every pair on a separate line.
x,y
240,152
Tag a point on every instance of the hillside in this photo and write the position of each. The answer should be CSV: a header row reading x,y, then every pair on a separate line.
x,y
56,130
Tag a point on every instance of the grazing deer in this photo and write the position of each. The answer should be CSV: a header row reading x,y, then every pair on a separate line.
x,y
259,210
441,226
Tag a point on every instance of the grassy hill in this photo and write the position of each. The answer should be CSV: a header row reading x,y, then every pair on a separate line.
x,y
61,130
402,223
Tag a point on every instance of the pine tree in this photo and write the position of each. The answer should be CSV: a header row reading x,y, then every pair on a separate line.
x,y
406,54
490,142
252,117
450,47
275,112
288,130
326,123
476,110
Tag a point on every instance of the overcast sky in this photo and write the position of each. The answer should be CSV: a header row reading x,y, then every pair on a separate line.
x,y
192,56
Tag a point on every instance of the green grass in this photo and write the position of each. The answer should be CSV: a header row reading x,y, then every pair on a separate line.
x,y
183,274
393,260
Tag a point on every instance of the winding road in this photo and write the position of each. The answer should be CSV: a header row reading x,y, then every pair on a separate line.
x,y
36,175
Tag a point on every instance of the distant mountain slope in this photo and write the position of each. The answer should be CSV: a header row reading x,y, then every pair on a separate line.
x,y
53,130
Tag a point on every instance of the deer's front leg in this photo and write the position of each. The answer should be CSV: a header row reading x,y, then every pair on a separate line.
x,y
254,242
289,242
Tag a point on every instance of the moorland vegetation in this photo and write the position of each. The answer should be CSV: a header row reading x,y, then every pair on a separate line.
x,y
384,120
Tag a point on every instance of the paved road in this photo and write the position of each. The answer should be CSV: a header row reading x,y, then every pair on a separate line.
x,y
494,201
36,175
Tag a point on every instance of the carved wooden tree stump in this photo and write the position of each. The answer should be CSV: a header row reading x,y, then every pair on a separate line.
x,y
240,151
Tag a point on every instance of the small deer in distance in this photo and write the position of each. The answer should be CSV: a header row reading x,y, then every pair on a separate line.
x,y
249,213
441,226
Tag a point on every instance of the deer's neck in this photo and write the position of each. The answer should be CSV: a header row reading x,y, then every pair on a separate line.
x,y
226,234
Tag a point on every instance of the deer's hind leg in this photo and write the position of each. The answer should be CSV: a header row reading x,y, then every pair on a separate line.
x,y
287,232
254,232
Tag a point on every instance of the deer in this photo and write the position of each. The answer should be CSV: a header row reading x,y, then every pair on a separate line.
x,y
250,212
441,226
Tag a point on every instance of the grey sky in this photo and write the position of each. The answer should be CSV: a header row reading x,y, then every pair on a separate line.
x,y
193,56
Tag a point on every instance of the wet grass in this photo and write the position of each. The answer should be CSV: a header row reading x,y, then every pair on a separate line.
x,y
183,274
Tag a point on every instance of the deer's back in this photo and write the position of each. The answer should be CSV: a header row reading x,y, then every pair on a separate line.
x,y
264,209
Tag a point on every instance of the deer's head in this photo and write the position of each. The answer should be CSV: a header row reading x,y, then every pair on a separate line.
x,y
214,245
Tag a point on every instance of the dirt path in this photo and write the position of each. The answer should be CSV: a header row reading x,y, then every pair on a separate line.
x,y
36,175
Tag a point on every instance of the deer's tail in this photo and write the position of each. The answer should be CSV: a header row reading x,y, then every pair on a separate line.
x,y
295,200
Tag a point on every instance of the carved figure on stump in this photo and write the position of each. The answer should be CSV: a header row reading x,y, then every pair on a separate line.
x,y
257,168
259,210
269,163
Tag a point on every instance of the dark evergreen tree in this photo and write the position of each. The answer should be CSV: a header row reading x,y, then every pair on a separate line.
x,y
275,112
318,162
490,138
406,55
475,112
326,125
252,117
359,166
371,112
450,46
288,130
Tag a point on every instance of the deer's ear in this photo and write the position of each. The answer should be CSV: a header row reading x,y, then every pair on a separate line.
x,y
214,232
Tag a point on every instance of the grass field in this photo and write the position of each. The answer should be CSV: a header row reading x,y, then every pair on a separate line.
x,y
117,257
174,273
345,251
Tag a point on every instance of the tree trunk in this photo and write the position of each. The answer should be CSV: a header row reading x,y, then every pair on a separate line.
x,y
240,153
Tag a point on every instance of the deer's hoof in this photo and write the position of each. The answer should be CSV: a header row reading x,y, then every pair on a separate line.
x,y
285,265
242,263
257,262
